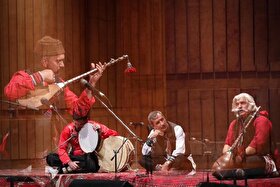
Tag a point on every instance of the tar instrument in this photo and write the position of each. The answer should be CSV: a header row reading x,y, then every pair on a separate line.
x,y
107,152
34,99
226,161
89,138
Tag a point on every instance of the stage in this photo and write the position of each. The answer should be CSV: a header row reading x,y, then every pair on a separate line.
x,y
139,178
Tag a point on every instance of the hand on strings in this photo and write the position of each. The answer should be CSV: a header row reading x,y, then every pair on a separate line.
x,y
95,77
48,75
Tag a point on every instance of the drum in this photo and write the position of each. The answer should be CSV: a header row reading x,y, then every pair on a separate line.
x,y
88,138
106,153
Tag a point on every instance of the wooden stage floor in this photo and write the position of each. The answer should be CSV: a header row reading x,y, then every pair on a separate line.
x,y
38,177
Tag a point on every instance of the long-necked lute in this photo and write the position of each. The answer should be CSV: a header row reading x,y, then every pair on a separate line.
x,y
226,161
49,93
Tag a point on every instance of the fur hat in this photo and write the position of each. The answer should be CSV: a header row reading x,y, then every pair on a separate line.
x,y
48,46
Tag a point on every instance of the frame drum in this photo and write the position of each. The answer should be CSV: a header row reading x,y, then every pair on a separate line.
x,y
88,138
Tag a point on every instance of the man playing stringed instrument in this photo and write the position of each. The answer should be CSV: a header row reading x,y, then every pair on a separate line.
x,y
248,149
52,56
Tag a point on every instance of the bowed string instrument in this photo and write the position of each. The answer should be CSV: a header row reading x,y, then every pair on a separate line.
x,y
226,161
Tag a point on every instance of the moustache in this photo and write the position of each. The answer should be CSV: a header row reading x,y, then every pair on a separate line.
x,y
238,110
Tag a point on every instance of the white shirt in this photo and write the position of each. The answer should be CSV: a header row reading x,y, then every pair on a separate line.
x,y
180,142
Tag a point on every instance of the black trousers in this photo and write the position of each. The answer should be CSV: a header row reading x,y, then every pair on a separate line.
x,y
87,162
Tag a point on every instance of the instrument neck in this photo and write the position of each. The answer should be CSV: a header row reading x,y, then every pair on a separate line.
x,y
112,61
80,76
247,122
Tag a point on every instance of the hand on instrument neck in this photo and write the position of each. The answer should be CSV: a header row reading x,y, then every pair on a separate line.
x,y
95,77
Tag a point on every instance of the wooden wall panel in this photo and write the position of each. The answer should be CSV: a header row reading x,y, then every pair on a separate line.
x,y
247,36
233,35
12,26
145,37
274,100
133,80
181,36
219,29
193,34
22,142
4,46
49,25
207,115
29,34
111,47
260,34
38,31
195,112
206,35
273,33
182,109
221,114
158,49
31,134
5,128
14,139
170,36
68,45
21,35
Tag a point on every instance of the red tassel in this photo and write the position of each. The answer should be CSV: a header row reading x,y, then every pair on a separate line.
x,y
130,70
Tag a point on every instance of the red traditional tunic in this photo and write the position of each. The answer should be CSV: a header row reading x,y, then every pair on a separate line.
x,y
256,136
69,131
21,84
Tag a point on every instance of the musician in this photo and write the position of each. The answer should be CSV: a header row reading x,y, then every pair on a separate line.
x,y
52,55
75,159
254,152
167,146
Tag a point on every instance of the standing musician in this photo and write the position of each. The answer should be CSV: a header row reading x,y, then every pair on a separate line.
x,y
167,146
254,151
75,159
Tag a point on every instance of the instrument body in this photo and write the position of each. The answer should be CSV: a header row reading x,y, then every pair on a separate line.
x,y
33,100
106,153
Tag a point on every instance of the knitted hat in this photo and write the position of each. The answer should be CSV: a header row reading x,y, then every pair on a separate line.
x,y
48,46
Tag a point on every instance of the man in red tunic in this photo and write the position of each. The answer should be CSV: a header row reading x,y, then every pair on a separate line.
x,y
51,53
76,160
254,153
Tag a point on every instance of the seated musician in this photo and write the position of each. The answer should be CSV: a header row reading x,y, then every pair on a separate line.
x,y
51,56
254,153
167,146
75,159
